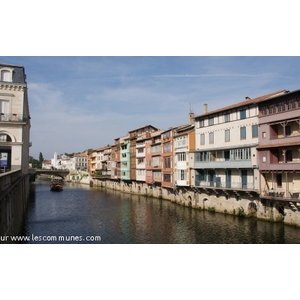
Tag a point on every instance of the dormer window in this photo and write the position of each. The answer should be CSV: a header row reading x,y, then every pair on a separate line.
x,y
6,75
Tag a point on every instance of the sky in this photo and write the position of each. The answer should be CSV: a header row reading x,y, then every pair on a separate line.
x,y
78,103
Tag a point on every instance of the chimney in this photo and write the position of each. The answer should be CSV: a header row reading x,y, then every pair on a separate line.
x,y
192,118
205,106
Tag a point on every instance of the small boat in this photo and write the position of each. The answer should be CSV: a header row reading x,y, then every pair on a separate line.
x,y
56,185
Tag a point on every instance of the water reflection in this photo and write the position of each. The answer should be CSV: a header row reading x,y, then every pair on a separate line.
x,y
124,218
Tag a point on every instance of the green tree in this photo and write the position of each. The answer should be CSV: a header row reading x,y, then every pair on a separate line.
x,y
41,159
35,163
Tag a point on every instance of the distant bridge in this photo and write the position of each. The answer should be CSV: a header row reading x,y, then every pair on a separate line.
x,y
58,173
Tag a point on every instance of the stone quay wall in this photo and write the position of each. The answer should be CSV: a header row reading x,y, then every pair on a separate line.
x,y
14,195
240,204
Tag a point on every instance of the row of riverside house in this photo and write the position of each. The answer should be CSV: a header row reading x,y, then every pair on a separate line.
x,y
251,148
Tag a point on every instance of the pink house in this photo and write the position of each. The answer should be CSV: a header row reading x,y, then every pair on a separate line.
x,y
279,146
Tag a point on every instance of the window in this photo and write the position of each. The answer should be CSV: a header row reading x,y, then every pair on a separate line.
x,y
5,75
5,138
227,135
254,131
272,109
289,155
156,149
202,139
211,137
181,142
157,176
263,134
291,104
4,106
227,118
156,162
240,154
166,135
167,162
210,121
167,177
182,175
198,156
201,123
288,130
243,114
140,161
227,155
279,180
281,107
243,133
167,147
181,156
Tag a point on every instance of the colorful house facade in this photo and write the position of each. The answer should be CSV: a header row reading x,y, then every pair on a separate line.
x,y
279,146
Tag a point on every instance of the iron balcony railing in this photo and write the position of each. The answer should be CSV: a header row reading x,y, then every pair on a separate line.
x,y
12,118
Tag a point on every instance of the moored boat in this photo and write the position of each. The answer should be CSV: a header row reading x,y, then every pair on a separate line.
x,y
56,185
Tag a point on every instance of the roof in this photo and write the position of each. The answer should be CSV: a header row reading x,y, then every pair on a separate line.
x,y
249,101
283,94
143,128
183,130
18,73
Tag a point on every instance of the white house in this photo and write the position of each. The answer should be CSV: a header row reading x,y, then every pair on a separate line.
x,y
184,143
226,141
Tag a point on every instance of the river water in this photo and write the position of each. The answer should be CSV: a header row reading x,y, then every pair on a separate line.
x,y
81,214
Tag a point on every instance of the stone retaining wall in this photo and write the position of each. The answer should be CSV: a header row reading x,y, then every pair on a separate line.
x,y
14,194
245,206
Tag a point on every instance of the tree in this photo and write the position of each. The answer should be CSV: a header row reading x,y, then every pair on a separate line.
x,y
41,159
35,163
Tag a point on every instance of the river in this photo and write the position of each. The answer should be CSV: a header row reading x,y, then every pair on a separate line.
x,y
81,214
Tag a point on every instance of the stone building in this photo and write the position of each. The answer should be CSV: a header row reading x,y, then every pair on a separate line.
x,y
14,119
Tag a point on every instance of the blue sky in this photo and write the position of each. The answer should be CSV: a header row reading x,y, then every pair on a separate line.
x,y
78,103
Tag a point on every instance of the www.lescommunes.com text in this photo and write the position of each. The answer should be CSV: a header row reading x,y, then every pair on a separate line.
x,y
51,238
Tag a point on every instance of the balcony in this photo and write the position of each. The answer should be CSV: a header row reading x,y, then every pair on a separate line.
x,y
224,185
281,195
289,166
285,159
223,164
12,118
282,134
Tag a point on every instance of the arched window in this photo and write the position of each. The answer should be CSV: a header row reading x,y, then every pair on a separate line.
x,y
6,75
5,137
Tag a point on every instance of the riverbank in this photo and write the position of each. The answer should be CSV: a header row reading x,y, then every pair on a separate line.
x,y
239,203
